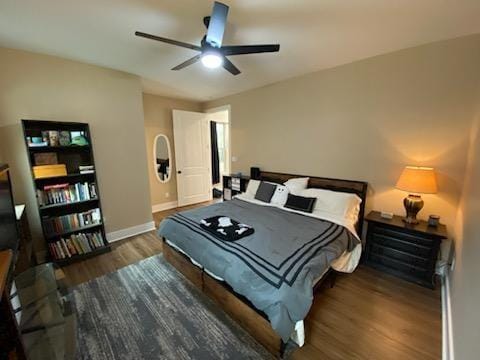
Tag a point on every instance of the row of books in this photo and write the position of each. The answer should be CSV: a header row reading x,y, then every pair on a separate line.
x,y
66,193
70,222
76,244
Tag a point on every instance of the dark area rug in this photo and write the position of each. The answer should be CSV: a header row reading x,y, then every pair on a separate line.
x,y
148,310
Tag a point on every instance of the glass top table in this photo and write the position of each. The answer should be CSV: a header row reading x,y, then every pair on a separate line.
x,y
44,314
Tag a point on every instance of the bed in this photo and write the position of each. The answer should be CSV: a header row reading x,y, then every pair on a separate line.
x,y
267,281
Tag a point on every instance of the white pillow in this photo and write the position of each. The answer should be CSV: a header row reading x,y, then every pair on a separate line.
x,y
341,204
280,196
252,188
297,185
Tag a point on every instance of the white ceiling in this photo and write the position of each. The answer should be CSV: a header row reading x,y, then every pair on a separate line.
x,y
314,34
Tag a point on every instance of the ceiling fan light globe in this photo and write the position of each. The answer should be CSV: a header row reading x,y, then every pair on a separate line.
x,y
212,61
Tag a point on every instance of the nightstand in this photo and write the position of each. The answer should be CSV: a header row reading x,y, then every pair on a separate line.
x,y
230,191
404,250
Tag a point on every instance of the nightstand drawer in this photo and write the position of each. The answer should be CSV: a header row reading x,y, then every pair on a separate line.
x,y
398,266
408,237
404,257
402,245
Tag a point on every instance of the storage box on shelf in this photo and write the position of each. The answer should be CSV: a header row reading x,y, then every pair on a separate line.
x,y
63,169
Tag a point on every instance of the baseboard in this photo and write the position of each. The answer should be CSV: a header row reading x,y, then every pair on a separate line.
x,y
131,231
447,332
164,206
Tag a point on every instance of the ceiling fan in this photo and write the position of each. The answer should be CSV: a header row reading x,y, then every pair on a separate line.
x,y
212,53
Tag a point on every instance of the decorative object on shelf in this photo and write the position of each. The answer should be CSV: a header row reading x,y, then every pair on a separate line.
x,y
416,180
35,141
68,200
433,220
78,138
64,138
53,138
48,158
46,171
45,136
79,141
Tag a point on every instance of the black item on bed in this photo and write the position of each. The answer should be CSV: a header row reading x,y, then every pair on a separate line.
x,y
226,228
265,191
300,203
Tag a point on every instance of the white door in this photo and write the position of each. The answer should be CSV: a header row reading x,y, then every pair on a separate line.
x,y
191,134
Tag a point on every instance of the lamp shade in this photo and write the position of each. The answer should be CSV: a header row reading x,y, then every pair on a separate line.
x,y
420,180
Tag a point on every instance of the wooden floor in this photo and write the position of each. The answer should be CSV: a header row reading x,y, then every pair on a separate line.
x,y
367,315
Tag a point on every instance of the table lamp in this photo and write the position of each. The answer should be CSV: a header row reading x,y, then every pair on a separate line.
x,y
416,180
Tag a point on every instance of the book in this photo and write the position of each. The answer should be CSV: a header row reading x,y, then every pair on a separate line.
x,y
53,138
64,138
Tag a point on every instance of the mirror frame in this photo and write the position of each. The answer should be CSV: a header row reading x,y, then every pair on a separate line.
x,y
155,157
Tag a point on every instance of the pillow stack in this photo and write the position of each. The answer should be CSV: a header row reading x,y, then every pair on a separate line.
x,y
294,194
288,194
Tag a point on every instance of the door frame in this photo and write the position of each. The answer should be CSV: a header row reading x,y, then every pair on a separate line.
x,y
229,125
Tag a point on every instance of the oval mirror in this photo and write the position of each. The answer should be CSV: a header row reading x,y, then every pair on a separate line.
x,y
161,158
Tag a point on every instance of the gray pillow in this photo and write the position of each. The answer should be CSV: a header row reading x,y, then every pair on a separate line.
x,y
265,191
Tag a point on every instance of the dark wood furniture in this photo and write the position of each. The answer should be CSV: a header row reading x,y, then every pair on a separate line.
x,y
11,345
404,250
26,254
237,306
228,192
73,156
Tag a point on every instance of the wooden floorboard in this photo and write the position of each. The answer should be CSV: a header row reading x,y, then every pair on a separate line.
x,y
367,315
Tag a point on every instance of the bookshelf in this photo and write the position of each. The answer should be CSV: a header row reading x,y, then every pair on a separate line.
x,y
62,164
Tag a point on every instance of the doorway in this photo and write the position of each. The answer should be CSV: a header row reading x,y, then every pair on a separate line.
x,y
219,119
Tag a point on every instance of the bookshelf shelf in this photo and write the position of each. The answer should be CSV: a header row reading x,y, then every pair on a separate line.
x,y
44,208
72,231
75,258
39,149
64,177
66,202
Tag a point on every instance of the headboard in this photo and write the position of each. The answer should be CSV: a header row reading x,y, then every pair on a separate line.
x,y
348,186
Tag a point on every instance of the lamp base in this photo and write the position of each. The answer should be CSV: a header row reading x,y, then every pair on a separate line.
x,y
413,204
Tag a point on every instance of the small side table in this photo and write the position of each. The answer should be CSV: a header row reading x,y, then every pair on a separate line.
x,y
404,250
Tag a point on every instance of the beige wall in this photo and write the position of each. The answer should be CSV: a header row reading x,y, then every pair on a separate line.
x,y
465,289
158,120
36,86
366,121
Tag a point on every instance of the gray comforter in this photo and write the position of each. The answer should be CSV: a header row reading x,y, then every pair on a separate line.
x,y
275,267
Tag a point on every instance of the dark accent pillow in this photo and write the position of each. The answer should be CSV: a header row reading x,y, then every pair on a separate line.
x,y
265,191
300,203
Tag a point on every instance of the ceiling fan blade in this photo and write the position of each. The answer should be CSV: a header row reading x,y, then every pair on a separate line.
x,y
249,49
228,65
191,61
168,41
216,27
